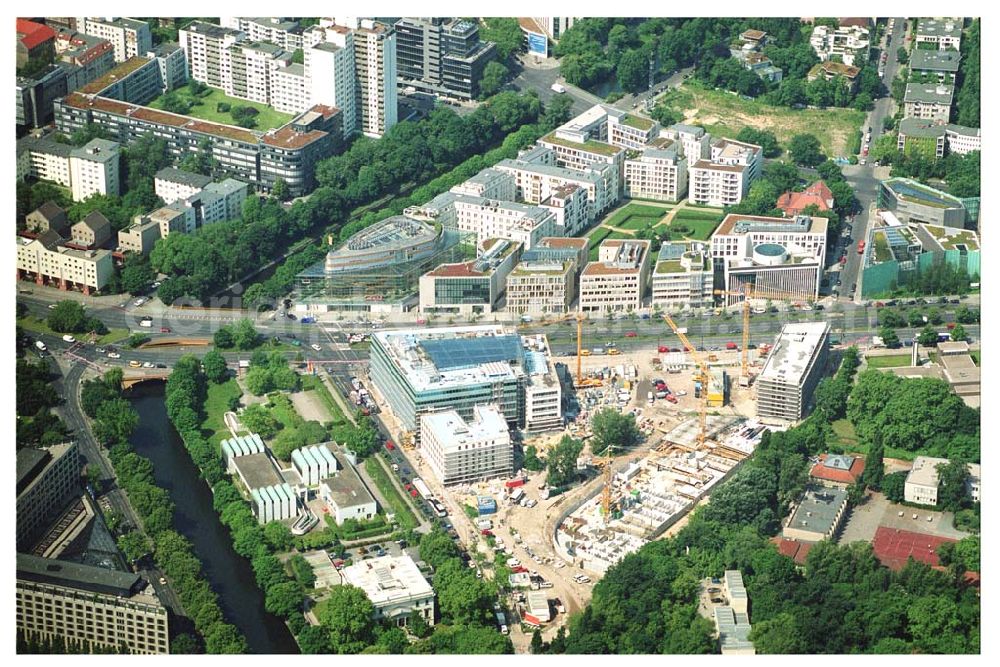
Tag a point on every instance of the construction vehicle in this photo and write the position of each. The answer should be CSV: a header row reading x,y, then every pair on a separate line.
x,y
747,293
579,381
702,377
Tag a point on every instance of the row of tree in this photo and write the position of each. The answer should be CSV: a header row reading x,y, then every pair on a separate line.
x,y
114,421
283,595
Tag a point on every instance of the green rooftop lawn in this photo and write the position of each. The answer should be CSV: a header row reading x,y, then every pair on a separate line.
x,y
882,251
267,117
669,266
637,122
700,227
591,146
889,361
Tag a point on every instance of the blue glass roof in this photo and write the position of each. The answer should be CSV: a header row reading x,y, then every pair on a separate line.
x,y
451,353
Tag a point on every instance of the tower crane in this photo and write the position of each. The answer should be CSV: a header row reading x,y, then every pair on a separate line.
x,y
703,376
579,380
747,292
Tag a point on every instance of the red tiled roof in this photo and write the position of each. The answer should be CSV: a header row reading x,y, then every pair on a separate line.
x,y
463,270
821,471
33,34
894,547
794,549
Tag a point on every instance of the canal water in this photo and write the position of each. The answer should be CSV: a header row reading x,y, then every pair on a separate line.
x,y
229,574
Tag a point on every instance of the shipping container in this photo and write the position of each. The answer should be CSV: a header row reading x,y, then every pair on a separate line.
x,y
514,483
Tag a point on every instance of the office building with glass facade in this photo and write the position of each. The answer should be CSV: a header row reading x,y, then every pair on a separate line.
x,y
422,371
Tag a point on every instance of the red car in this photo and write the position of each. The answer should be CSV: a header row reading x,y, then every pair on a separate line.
x,y
519,569
950,325
630,334
663,348
413,493
486,532
164,329
389,445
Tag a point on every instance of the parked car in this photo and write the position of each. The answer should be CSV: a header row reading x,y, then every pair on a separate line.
x,y
316,347
69,339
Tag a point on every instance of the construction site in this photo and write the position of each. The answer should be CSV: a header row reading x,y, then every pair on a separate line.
x,y
648,496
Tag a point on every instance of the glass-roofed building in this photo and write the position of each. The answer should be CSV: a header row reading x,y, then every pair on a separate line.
x,y
379,268
420,371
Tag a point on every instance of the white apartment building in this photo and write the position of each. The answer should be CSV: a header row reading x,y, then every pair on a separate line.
x,y
45,160
285,33
738,234
928,101
725,178
682,277
583,142
375,62
657,173
945,33
851,43
463,452
289,89
395,587
922,481
697,143
536,182
617,281
172,184
129,37
792,370
253,67
94,169
492,219
329,73
45,261
570,206
491,183
206,47
628,130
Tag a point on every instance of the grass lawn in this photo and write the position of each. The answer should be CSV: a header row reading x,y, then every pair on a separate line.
x,y
975,356
41,326
216,405
267,117
636,216
844,430
889,361
724,114
313,383
700,227
282,409
397,505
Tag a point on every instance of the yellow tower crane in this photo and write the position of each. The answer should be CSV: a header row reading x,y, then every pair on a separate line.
x,y
747,293
703,376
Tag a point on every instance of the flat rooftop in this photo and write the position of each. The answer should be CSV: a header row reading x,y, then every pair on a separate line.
x,y
77,575
939,27
929,93
793,351
935,61
550,170
257,470
388,580
114,75
452,357
346,487
453,432
188,178
817,510
735,223
924,471
589,146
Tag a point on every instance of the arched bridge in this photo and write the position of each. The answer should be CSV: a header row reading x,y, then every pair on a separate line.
x,y
130,379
